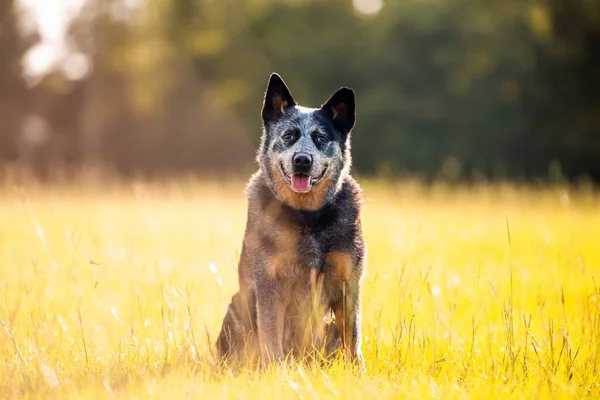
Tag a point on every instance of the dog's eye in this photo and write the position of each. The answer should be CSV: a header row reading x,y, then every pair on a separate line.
x,y
322,139
291,135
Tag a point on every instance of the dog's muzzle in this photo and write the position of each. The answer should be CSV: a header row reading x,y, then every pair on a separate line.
x,y
300,182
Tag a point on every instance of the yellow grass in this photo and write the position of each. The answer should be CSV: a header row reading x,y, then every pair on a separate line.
x,y
470,292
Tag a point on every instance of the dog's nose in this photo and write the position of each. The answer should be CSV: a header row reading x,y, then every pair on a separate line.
x,y
302,160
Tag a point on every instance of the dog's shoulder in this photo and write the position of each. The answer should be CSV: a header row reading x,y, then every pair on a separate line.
x,y
353,190
346,205
258,193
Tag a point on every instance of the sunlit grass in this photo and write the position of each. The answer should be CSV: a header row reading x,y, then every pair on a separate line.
x,y
470,292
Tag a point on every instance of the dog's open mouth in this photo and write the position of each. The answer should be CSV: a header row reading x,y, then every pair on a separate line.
x,y
302,183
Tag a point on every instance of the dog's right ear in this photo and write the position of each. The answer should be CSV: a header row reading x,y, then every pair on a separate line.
x,y
341,108
277,99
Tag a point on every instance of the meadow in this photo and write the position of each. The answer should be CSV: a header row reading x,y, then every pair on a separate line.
x,y
118,291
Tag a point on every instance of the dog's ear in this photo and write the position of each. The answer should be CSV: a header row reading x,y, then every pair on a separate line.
x,y
341,108
277,99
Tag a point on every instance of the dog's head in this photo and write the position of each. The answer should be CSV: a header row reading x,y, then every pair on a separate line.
x,y
305,152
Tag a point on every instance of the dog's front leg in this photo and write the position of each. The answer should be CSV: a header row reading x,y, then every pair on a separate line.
x,y
271,305
347,317
346,307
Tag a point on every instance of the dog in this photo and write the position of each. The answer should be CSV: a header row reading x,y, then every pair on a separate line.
x,y
303,254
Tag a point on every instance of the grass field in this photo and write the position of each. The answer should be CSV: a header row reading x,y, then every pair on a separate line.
x,y
115,291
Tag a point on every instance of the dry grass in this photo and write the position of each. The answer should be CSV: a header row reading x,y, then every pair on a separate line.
x,y
480,292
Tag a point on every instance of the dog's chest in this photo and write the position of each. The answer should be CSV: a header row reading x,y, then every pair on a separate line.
x,y
290,244
313,244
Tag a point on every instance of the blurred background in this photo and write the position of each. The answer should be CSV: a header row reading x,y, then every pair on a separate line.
x,y
453,89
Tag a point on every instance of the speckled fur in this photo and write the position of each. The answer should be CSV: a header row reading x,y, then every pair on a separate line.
x,y
303,254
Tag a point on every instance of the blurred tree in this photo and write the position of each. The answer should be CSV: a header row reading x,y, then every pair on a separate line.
x,y
457,87
14,96
566,114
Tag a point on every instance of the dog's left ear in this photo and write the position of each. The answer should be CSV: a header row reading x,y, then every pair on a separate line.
x,y
277,99
341,108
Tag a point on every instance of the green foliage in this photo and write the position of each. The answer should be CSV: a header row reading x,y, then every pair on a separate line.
x,y
504,88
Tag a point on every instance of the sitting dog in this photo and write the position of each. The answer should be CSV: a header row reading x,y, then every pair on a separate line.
x,y
303,252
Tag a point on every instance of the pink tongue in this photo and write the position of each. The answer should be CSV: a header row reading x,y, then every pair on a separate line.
x,y
300,182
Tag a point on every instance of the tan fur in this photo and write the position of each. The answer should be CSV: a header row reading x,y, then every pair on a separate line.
x,y
279,104
276,265
283,236
252,239
316,283
341,318
340,263
310,201
286,241
272,348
